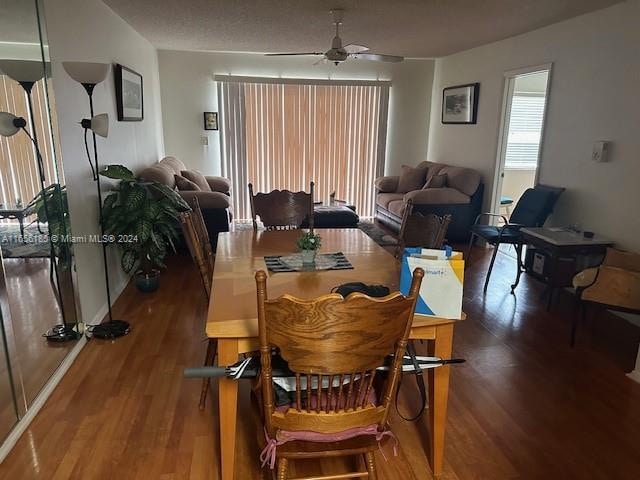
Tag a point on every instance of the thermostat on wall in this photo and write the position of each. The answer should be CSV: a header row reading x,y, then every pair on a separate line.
x,y
600,152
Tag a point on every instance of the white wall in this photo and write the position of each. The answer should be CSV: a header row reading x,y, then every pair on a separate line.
x,y
594,96
87,30
188,90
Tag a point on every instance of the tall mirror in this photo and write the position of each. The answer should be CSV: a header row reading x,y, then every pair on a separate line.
x,y
38,300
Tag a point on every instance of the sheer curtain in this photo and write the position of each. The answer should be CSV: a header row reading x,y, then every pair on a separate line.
x,y
283,134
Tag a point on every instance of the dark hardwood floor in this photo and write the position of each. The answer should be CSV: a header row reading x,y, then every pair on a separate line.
x,y
524,406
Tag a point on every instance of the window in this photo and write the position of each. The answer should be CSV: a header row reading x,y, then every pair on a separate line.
x,y
283,134
525,129
19,178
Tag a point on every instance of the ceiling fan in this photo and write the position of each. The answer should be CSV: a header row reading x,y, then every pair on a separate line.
x,y
338,53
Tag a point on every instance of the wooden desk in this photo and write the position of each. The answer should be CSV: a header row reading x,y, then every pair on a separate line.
x,y
233,318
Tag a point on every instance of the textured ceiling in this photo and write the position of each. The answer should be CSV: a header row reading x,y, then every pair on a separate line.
x,y
412,28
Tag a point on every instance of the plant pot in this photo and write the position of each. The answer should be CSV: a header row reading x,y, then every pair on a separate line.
x,y
308,256
147,282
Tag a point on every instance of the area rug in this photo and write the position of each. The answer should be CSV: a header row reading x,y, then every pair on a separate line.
x,y
376,233
33,245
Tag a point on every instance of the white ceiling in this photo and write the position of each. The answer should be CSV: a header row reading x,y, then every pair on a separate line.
x,y
412,28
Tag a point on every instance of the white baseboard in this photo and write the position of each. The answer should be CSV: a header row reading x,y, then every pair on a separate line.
x,y
53,381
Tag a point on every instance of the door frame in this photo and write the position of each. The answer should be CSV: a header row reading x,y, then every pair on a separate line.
x,y
509,79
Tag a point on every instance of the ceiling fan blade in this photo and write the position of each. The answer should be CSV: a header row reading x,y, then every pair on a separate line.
x,y
377,57
353,48
321,61
286,54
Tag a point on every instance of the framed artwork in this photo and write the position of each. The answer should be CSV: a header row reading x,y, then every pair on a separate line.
x,y
211,120
460,104
129,94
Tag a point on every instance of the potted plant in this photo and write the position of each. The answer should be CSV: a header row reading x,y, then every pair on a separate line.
x,y
143,218
309,243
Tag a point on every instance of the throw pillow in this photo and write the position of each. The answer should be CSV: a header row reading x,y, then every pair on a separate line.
x,y
437,181
197,178
185,185
411,179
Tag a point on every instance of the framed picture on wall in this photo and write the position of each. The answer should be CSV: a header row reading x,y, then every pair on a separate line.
x,y
211,120
460,104
129,94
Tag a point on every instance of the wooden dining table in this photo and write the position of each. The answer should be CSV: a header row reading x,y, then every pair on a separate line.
x,y
233,319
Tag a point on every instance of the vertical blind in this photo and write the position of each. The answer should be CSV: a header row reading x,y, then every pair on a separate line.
x,y
283,135
525,131
19,178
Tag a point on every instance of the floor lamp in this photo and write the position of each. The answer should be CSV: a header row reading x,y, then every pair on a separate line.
x,y
27,73
89,74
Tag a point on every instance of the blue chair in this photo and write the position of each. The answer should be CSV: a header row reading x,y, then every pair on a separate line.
x,y
532,210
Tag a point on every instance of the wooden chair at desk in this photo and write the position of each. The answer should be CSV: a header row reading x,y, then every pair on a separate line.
x,y
282,209
349,417
418,230
197,240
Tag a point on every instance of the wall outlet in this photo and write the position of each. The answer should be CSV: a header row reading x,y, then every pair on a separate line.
x,y
204,140
600,152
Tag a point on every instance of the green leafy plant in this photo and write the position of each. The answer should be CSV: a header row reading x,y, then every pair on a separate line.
x,y
51,208
309,241
143,219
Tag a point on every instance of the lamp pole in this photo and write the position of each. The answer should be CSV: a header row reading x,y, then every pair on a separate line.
x,y
61,332
89,88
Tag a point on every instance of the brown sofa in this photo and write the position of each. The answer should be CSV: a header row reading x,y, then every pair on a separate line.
x,y
215,204
461,196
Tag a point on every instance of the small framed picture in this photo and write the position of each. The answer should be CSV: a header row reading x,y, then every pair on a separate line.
x,y
129,94
460,104
211,120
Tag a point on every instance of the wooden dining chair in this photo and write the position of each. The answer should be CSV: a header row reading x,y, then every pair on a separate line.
x,y
333,344
282,209
418,230
197,240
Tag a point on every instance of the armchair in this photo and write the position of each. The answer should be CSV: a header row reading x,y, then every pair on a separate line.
x,y
532,210
614,285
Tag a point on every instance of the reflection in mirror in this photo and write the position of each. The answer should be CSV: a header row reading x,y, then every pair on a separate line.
x,y
35,244
9,413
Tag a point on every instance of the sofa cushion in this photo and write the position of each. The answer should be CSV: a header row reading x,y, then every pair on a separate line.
x,y
436,181
219,184
437,196
185,185
411,178
173,164
463,179
197,178
159,173
397,207
383,199
207,200
387,184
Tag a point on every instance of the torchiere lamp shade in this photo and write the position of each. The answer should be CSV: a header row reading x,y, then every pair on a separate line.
x,y
10,124
23,70
87,72
98,124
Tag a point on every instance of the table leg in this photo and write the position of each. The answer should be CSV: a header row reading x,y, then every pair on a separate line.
x,y
439,394
21,222
228,406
